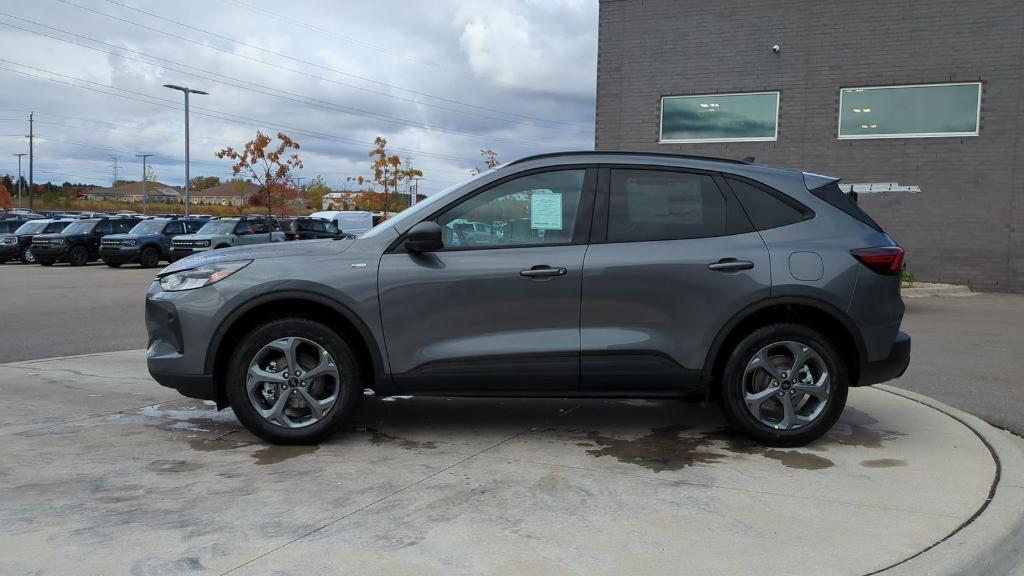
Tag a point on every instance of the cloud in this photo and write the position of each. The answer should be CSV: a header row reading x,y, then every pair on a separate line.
x,y
440,83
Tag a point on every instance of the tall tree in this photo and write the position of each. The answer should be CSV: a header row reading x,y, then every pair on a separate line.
x,y
270,168
315,192
388,171
5,198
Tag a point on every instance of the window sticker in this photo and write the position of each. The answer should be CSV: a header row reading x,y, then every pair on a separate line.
x,y
545,210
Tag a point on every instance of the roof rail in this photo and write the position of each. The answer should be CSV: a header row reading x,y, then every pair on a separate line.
x,y
626,153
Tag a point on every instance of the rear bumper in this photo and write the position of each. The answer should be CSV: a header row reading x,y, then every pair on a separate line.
x,y
891,367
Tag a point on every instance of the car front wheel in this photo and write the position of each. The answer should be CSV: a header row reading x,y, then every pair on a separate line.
x,y
26,256
293,381
784,385
149,258
78,256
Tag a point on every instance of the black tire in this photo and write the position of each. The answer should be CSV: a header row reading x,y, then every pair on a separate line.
x,y
113,264
78,256
732,385
26,256
149,258
46,262
350,385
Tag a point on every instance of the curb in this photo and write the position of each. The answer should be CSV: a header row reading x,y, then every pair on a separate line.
x,y
992,542
923,290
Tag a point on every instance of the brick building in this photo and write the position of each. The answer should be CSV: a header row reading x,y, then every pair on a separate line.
x,y
927,94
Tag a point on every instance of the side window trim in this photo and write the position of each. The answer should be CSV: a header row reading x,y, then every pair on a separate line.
x,y
581,231
780,196
737,221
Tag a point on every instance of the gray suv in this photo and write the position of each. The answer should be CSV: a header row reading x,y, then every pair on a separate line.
x,y
593,274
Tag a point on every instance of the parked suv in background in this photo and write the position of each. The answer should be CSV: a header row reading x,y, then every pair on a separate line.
x,y
225,233
79,243
11,222
604,275
147,243
19,243
306,228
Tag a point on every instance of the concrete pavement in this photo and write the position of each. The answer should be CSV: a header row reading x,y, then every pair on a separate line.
x,y
104,472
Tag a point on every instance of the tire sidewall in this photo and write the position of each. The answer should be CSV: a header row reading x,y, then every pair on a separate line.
x,y
149,264
26,256
732,385
350,380
76,251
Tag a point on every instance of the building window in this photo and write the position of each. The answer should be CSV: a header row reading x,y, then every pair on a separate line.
x,y
920,111
749,117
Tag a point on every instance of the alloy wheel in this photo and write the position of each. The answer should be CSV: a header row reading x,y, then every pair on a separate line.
x,y
293,382
786,385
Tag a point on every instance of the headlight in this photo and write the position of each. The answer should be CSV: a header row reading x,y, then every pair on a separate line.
x,y
130,242
58,241
203,243
204,275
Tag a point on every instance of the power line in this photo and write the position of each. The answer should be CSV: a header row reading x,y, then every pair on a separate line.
x,y
299,60
225,116
254,86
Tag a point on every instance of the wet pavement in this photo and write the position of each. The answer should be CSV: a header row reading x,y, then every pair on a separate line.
x,y
104,472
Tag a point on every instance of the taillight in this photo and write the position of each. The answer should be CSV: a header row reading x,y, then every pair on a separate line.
x,y
886,260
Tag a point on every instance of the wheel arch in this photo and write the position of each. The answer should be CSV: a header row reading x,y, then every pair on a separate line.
x,y
832,322
292,303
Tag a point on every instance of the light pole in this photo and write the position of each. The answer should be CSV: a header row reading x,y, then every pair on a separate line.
x,y
145,192
186,90
19,176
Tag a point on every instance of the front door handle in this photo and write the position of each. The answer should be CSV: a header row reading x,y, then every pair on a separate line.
x,y
730,265
543,271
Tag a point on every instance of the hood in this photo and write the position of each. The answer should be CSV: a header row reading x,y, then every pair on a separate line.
x,y
260,252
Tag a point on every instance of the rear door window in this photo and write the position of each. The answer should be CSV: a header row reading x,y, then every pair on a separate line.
x,y
103,228
764,208
174,228
664,205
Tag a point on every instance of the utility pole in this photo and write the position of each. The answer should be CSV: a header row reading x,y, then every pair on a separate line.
x,y
186,90
145,190
31,159
19,176
114,159
299,187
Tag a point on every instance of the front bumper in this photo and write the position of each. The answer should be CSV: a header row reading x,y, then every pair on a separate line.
x,y
119,254
177,324
9,251
49,252
889,368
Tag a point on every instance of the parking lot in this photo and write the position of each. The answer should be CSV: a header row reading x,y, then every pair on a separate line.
x,y
96,453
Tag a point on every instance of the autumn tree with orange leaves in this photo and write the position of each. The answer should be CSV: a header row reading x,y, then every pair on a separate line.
x,y
5,198
388,171
270,168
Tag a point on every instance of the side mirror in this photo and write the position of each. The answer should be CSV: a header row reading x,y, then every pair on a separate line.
x,y
424,237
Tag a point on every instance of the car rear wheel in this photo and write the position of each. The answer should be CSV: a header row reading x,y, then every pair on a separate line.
x,y
78,256
26,256
149,258
784,385
293,381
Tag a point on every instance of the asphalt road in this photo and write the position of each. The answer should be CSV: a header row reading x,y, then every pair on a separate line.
x,y
62,311
965,349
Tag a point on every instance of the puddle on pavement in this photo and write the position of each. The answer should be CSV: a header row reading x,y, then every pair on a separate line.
x,y
883,463
662,449
277,454
173,466
854,429
665,449
378,438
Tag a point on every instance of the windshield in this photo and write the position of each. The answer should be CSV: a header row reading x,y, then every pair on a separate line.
x,y
421,208
218,227
80,227
34,227
149,227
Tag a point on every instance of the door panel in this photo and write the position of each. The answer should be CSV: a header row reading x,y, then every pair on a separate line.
x,y
677,261
468,320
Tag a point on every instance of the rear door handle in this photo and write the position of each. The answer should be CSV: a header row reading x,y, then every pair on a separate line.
x,y
543,271
730,265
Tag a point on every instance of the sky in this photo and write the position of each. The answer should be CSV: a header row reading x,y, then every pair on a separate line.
x,y
439,79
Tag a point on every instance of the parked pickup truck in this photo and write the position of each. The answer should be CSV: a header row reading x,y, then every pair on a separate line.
x,y
227,232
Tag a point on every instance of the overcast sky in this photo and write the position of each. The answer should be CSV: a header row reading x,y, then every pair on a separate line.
x,y
439,79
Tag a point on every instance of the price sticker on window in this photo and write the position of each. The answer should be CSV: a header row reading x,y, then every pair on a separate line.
x,y
545,210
